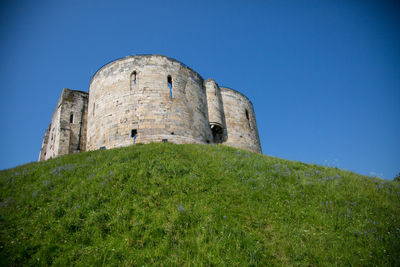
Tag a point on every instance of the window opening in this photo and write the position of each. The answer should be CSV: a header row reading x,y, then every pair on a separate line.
x,y
218,133
165,140
169,80
133,79
248,118
71,118
134,135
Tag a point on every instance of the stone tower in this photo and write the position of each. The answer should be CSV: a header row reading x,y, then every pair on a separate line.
x,y
149,98
66,133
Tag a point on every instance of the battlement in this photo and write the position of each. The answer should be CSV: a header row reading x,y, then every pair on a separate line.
x,y
149,98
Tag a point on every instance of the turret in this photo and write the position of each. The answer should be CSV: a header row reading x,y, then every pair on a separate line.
x,y
216,114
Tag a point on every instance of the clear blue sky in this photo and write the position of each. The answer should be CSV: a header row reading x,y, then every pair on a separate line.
x,y
324,76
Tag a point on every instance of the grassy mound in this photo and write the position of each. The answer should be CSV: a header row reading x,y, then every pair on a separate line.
x,y
166,204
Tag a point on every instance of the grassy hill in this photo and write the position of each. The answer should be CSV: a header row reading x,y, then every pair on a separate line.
x,y
166,204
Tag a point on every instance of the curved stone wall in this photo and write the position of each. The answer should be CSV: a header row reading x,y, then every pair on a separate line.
x,y
241,125
146,98
149,98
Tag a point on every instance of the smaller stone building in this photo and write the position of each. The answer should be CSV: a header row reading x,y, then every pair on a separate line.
x,y
149,98
66,133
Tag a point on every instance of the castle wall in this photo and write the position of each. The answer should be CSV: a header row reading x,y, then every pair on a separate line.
x,y
149,98
65,133
45,143
132,95
241,125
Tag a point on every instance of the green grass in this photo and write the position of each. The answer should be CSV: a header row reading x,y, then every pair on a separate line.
x,y
166,204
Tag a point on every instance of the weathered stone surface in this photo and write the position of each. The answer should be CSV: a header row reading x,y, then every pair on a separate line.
x,y
149,98
66,133
241,122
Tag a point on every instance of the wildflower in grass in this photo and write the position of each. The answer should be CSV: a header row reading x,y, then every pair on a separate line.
x,y
194,176
348,215
224,217
34,194
180,208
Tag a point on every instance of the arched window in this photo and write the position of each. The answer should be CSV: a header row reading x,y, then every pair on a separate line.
x,y
169,80
133,79
71,118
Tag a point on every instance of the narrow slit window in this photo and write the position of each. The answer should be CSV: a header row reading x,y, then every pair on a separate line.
x,y
71,118
248,118
133,78
169,80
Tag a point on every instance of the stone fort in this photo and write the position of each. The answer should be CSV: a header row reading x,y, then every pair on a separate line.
x,y
149,98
